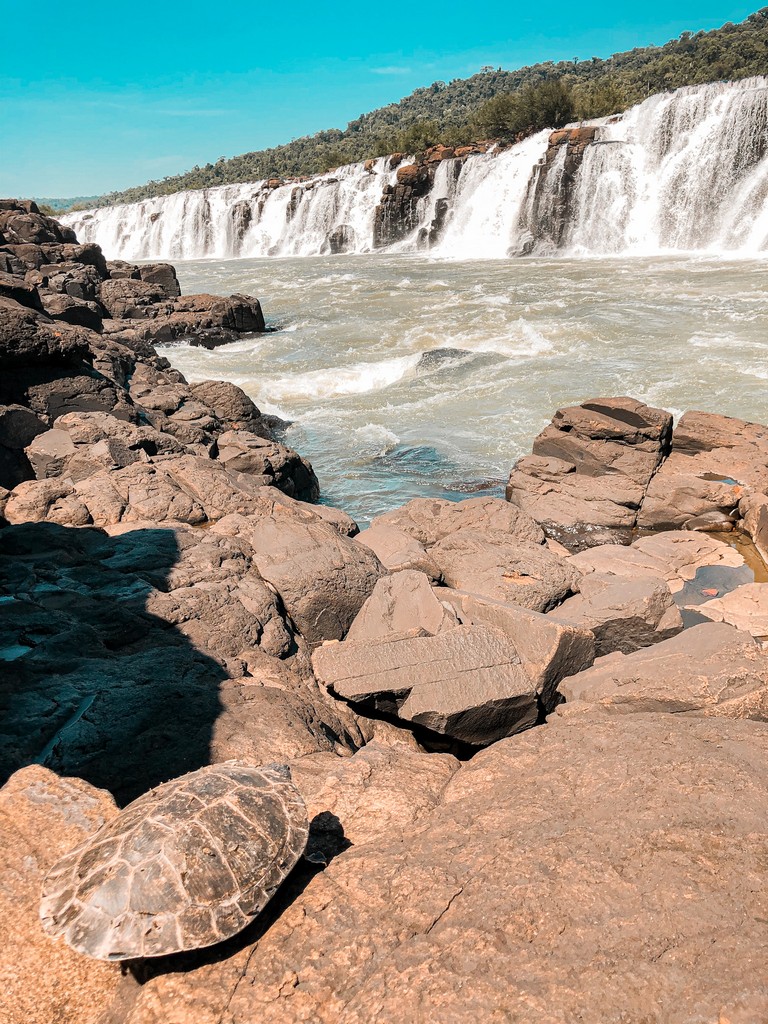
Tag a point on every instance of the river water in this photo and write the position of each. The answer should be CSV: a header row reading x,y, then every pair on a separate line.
x,y
405,375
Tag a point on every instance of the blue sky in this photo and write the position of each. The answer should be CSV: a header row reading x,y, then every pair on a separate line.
x,y
99,96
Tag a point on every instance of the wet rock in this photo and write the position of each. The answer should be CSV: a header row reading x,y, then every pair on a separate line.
x,y
623,614
41,818
466,682
711,669
399,603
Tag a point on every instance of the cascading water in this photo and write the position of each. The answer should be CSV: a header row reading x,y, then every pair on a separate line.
x,y
683,171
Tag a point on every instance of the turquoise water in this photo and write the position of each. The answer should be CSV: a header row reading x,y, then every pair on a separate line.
x,y
405,376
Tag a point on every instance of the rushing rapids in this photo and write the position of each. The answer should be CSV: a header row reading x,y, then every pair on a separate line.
x,y
683,171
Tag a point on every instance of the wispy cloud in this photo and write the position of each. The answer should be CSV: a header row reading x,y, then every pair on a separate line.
x,y
391,69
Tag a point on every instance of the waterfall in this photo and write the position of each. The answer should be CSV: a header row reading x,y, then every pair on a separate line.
x,y
682,171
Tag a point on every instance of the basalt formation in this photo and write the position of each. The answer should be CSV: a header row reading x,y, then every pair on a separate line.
x,y
531,735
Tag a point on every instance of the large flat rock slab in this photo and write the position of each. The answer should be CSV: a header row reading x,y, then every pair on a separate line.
x,y
596,869
548,649
745,608
712,669
466,682
429,520
675,556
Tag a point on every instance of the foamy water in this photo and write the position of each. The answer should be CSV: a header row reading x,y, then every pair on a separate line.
x,y
506,343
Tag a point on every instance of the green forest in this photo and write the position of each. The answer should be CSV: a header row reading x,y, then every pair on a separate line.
x,y
494,104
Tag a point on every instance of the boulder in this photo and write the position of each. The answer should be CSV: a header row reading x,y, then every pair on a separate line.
x,y
15,289
587,476
399,603
322,577
429,520
398,551
19,426
623,614
548,649
42,817
163,275
125,298
244,452
495,565
713,460
69,310
711,669
30,338
466,682
231,405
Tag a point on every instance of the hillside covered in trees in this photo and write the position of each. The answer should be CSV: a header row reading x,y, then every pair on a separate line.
x,y
495,104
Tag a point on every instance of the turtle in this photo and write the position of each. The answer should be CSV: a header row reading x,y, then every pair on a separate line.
x,y
184,866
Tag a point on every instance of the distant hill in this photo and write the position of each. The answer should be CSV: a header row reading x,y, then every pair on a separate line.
x,y
58,205
467,109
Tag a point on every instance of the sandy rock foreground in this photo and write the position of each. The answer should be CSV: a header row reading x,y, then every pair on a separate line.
x,y
590,869
531,734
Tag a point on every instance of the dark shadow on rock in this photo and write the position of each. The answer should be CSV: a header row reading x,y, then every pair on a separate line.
x,y
326,833
91,683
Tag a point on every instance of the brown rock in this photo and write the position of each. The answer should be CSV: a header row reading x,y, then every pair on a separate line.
x,y
322,577
41,818
492,564
624,614
712,669
561,876
465,682
399,603
429,520
746,608
589,470
548,649
398,551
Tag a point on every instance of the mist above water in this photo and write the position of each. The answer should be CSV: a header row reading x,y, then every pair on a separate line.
x,y
407,376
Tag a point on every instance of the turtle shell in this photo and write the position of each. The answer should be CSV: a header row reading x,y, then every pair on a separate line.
x,y
186,865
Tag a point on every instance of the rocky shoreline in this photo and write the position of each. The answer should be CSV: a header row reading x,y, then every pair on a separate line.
x,y
531,734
